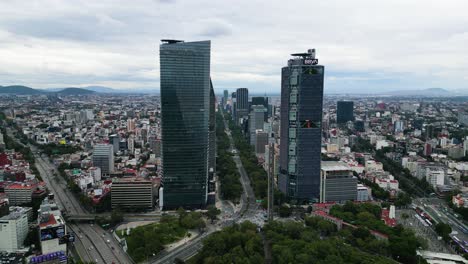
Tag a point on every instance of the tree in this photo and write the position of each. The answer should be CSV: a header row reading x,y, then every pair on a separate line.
x,y
285,211
116,217
213,212
443,230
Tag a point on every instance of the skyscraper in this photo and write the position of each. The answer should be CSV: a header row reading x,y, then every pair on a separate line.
x,y
256,121
301,116
258,100
242,104
344,111
225,98
212,142
103,158
185,116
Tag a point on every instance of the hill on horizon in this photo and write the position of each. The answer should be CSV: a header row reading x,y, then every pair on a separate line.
x,y
24,90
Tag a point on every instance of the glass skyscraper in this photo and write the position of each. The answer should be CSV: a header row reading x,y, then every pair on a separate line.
x,y
185,112
301,116
344,111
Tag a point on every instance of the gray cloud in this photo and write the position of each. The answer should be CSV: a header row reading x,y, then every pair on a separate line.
x,y
364,44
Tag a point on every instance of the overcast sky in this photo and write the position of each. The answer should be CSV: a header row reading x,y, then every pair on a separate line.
x,y
365,45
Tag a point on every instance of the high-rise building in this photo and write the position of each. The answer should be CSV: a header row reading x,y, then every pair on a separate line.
x,y
301,116
242,104
259,100
225,98
114,140
103,158
261,140
256,121
212,131
185,110
344,111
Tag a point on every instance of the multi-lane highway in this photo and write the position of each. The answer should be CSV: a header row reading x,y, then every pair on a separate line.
x,y
92,243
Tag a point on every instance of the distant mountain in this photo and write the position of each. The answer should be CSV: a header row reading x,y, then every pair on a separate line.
x,y
19,90
74,91
102,89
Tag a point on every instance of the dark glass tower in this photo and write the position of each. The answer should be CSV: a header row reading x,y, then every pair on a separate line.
x,y
344,111
185,116
261,101
301,116
212,132
242,104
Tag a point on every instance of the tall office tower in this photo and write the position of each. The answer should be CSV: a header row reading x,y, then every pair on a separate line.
x,y
185,112
234,106
344,111
256,121
103,158
115,140
301,116
212,131
242,104
261,101
225,98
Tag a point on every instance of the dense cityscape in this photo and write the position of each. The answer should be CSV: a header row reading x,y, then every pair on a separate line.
x,y
197,171
108,178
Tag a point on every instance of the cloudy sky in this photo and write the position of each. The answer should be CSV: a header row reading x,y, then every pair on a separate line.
x,y
365,45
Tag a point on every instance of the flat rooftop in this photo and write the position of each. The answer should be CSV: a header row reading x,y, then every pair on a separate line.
x,y
334,166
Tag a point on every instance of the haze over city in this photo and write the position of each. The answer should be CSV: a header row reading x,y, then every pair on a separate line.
x,y
233,132
368,46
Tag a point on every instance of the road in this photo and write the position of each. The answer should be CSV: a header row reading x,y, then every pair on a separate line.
x,y
249,211
90,244
439,210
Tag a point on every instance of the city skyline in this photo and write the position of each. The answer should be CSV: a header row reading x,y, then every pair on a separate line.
x,y
109,44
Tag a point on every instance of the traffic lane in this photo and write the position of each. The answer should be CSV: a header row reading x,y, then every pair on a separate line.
x,y
87,242
99,243
112,244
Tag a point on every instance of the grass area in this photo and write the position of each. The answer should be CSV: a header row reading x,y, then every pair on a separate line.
x,y
146,241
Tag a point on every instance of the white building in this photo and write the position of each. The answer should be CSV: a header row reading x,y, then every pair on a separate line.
x,y
363,193
381,144
372,165
13,230
387,183
95,172
435,176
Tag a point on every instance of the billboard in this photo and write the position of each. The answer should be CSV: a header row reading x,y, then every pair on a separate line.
x,y
52,233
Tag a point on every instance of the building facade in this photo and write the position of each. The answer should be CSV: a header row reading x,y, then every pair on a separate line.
x,y
242,104
301,116
185,117
103,158
132,193
344,111
337,183
13,230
